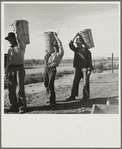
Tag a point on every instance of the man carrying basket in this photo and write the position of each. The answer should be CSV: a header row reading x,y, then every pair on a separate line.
x,y
14,68
52,60
83,67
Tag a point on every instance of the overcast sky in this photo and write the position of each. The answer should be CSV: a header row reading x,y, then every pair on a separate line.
x,y
66,19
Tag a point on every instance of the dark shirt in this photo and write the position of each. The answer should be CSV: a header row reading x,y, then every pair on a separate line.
x,y
82,59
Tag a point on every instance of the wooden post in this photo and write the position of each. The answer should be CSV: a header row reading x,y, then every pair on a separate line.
x,y
112,63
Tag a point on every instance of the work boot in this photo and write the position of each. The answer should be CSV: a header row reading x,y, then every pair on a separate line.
x,y
84,99
71,98
52,104
22,110
11,109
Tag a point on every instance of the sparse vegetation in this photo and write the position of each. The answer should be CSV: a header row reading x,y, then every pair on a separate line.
x,y
104,64
38,77
33,78
99,65
33,63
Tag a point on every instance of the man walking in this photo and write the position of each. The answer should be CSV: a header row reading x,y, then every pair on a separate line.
x,y
14,68
83,67
52,61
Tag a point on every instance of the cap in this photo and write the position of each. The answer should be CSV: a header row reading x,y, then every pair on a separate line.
x,y
10,35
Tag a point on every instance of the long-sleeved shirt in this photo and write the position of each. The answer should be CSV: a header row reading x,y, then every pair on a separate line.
x,y
82,59
53,60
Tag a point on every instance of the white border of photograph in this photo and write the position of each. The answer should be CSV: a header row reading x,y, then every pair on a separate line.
x,y
57,130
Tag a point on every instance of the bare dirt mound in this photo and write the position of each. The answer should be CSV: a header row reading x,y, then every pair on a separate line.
x,y
102,86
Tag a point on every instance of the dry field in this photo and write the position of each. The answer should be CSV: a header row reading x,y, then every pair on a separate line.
x,y
103,85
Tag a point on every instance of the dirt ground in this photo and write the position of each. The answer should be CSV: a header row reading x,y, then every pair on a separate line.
x,y
103,86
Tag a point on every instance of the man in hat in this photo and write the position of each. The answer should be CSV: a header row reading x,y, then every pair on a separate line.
x,y
52,61
14,68
83,67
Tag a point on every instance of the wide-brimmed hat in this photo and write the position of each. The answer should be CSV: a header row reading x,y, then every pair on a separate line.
x,y
10,35
79,40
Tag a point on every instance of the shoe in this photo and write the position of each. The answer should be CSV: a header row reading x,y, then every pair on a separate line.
x,y
21,111
84,99
52,104
12,110
71,98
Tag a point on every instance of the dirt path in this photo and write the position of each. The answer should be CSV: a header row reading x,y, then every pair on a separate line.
x,y
102,86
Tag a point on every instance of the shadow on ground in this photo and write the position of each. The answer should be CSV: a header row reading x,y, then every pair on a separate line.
x,y
67,107
70,106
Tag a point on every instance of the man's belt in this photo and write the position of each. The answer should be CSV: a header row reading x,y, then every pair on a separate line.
x,y
16,65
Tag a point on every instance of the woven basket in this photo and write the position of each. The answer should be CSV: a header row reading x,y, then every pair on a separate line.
x,y
49,39
23,27
87,37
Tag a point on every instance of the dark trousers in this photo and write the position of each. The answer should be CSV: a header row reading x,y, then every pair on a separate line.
x,y
49,78
16,77
81,73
